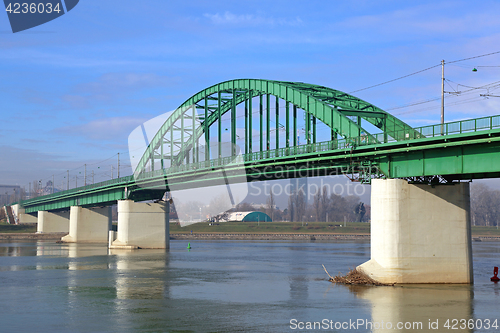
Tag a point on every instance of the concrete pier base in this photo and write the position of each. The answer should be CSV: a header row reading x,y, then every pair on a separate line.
x,y
88,225
142,225
22,217
419,233
53,222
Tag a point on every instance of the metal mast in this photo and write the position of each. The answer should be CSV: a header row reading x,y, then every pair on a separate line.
x,y
442,97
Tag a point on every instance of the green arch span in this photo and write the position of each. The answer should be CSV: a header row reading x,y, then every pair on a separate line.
x,y
330,106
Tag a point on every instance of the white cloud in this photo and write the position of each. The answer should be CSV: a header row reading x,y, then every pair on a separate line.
x,y
250,19
120,82
435,20
114,89
107,129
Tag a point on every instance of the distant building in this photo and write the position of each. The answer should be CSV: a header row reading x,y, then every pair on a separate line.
x,y
249,217
6,191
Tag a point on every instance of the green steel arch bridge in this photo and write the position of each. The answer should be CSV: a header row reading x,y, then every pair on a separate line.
x,y
253,125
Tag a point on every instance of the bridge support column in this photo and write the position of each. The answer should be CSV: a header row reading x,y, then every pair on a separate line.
x,y
88,225
53,222
23,217
142,225
420,233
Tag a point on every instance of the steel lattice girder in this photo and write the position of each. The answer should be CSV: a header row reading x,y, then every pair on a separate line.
x,y
328,105
472,155
468,149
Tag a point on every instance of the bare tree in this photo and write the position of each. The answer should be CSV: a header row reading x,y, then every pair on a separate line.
x,y
485,208
244,207
297,206
218,205
300,205
317,205
291,207
271,204
325,203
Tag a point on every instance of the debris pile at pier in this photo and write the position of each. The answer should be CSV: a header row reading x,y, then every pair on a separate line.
x,y
354,277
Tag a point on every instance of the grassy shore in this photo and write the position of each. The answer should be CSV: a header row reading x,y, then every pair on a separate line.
x,y
297,228
485,231
274,228
10,228
265,228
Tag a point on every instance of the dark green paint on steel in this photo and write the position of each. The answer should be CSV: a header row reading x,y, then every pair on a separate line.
x,y
328,105
469,149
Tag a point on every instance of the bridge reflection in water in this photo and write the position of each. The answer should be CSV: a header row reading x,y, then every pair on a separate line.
x,y
222,286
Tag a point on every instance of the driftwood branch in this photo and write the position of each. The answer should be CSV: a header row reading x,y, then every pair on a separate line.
x,y
331,277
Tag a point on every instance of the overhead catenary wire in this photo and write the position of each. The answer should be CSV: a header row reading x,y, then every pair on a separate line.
x,y
490,87
396,79
423,70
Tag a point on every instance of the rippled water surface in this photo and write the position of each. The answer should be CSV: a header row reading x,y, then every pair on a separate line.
x,y
225,286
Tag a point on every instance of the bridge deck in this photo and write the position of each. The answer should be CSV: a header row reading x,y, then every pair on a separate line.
x,y
467,149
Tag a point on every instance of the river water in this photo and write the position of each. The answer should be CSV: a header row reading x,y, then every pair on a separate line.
x,y
228,286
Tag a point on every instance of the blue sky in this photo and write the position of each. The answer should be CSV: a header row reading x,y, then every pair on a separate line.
x,y
73,89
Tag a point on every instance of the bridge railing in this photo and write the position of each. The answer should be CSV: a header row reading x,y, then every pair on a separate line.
x,y
456,127
121,180
461,126
450,128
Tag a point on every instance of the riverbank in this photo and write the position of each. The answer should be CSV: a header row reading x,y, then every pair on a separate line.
x,y
252,231
319,237
246,236
32,236
232,236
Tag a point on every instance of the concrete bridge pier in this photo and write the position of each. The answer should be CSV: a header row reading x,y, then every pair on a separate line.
x,y
22,216
420,233
142,225
88,225
53,222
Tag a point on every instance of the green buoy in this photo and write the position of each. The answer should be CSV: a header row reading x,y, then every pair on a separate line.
x,y
189,246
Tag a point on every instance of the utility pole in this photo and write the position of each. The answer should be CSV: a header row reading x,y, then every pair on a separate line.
x,y
442,97
118,170
52,184
111,172
85,175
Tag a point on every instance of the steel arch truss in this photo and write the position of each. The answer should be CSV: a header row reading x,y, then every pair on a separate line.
x,y
341,112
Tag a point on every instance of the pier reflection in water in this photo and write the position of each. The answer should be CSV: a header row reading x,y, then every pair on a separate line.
x,y
416,307
223,286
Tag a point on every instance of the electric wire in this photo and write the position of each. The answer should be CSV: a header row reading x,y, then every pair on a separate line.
x,y
423,70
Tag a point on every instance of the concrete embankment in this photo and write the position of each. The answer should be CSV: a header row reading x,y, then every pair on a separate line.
x,y
32,236
235,236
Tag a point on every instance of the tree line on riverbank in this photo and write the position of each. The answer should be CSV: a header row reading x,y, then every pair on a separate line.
x,y
485,205
325,207
330,207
